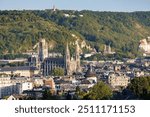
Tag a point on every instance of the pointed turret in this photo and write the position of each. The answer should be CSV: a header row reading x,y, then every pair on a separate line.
x,y
105,49
109,49
77,58
67,60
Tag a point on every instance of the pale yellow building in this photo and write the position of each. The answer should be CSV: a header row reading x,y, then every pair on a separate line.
x,y
20,71
118,80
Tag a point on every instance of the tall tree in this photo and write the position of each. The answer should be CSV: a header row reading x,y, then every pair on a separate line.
x,y
141,87
58,72
100,91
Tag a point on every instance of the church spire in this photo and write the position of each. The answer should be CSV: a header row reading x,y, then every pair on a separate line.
x,y
109,48
78,68
67,60
67,53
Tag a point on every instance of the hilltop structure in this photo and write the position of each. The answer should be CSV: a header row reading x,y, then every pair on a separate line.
x,y
108,50
54,8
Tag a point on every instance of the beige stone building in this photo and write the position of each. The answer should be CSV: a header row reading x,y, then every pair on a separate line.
x,y
47,64
72,64
118,80
145,46
26,71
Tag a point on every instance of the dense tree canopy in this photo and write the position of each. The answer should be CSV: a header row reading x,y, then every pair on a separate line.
x,y
58,72
20,30
100,91
141,87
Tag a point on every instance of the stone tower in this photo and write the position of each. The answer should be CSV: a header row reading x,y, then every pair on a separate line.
x,y
42,50
107,49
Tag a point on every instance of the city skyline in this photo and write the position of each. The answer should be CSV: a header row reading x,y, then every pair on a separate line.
x,y
97,5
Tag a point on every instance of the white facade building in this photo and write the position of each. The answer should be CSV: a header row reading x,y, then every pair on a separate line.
x,y
24,86
9,86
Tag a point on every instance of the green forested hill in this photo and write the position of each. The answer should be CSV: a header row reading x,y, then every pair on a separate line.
x,y
20,31
122,30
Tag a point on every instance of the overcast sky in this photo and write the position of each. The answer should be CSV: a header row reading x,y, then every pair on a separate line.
x,y
96,5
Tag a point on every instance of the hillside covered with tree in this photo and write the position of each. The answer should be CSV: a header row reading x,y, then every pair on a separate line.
x,y
20,30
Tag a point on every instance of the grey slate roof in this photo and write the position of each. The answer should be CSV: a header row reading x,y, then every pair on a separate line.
x,y
61,60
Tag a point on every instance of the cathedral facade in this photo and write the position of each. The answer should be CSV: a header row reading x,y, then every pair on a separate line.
x,y
68,63
72,64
